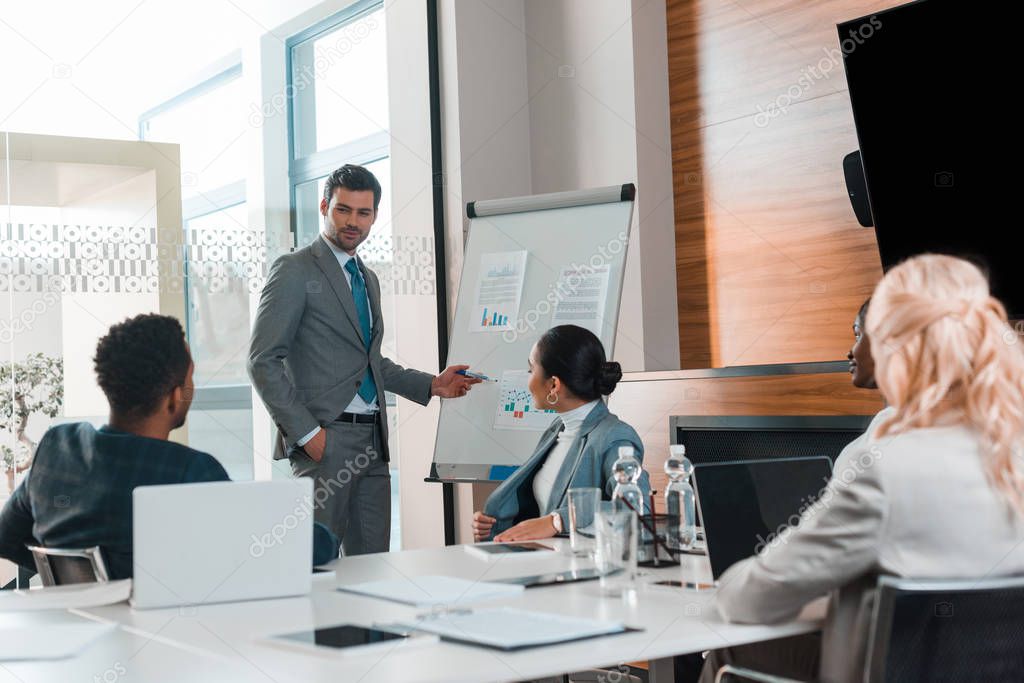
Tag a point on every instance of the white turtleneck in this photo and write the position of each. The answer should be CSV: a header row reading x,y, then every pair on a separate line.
x,y
544,480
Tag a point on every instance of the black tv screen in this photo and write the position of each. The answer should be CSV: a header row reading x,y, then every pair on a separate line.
x,y
933,89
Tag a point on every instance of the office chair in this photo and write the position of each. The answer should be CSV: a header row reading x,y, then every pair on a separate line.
x,y
61,566
938,630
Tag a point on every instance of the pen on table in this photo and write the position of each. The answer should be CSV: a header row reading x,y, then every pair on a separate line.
x,y
475,375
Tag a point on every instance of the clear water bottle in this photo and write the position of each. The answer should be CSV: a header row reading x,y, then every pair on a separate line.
x,y
626,472
679,501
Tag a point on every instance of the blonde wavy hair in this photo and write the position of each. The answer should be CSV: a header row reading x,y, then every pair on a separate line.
x,y
945,354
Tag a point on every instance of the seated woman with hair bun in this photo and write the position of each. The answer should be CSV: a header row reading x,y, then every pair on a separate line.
x,y
569,374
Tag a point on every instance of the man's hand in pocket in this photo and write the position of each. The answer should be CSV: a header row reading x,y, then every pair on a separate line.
x,y
315,447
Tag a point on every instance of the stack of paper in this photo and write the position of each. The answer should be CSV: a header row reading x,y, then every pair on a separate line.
x,y
508,628
431,591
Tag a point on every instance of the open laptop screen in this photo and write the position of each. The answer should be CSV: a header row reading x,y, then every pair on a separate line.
x,y
744,504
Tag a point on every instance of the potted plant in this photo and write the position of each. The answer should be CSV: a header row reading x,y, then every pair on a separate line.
x,y
35,385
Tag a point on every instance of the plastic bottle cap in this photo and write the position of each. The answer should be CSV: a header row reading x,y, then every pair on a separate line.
x,y
677,449
625,450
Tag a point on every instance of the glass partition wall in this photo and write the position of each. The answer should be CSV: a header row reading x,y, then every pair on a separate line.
x,y
90,233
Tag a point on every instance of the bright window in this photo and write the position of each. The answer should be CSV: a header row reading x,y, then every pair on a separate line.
x,y
339,80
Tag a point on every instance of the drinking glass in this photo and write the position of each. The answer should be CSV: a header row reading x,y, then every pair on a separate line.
x,y
615,548
582,506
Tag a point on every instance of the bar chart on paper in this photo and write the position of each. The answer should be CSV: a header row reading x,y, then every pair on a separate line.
x,y
491,318
529,264
515,404
498,291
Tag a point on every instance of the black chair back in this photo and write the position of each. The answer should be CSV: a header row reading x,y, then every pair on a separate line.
x,y
963,630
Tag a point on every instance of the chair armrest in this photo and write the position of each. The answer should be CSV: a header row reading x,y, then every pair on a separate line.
x,y
729,673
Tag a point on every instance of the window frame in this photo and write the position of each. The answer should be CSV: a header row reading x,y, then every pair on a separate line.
x,y
224,196
315,165
220,396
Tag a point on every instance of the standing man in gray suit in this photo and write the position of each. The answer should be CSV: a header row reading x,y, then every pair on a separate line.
x,y
315,360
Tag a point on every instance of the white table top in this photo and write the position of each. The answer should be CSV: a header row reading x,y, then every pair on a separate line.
x,y
227,641
120,655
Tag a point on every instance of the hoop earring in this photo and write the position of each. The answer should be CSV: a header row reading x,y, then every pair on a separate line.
x,y
548,399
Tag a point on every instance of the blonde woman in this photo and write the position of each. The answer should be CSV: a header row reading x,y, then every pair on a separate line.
x,y
936,491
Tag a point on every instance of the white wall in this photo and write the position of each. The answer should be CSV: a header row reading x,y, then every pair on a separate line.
x,y
415,319
655,205
486,127
543,96
582,123
580,72
494,115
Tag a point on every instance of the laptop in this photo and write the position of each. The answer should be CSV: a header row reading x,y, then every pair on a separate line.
x,y
744,504
196,544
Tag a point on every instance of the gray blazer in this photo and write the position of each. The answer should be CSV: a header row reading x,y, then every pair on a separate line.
x,y
307,356
915,505
588,464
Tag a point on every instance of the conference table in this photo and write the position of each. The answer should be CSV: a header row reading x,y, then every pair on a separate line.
x,y
229,642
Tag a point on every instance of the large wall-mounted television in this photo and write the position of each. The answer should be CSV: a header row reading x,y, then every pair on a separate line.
x,y
933,85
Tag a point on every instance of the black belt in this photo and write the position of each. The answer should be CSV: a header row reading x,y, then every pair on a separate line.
x,y
359,418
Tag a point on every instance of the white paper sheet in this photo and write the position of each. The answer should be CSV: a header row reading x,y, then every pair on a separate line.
x,y
52,641
498,291
515,408
73,596
432,591
509,628
582,295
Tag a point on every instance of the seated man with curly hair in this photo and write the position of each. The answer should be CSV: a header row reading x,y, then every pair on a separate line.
x,y
79,491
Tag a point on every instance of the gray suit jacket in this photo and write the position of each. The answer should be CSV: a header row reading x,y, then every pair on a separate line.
x,y
587,464
307,356
916,505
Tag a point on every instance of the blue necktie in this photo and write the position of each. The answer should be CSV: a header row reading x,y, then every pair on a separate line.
x,y
368,389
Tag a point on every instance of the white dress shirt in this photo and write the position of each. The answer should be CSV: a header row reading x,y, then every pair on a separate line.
x,y
357,404
544,480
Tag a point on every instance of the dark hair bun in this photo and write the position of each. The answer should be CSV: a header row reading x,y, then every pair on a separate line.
x,y
575,355
608,376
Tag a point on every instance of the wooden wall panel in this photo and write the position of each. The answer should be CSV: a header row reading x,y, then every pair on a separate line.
x,y
771,263
647,401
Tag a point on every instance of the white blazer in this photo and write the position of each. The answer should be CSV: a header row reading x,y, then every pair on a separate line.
x,y
915,505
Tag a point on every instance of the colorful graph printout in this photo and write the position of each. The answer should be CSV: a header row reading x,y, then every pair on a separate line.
x,y
515,408
499,289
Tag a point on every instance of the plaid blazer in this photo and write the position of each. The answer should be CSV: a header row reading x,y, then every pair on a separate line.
x,y
78,492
